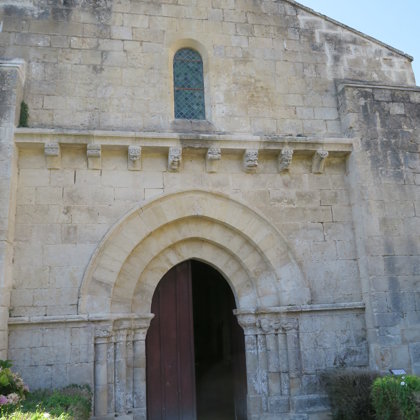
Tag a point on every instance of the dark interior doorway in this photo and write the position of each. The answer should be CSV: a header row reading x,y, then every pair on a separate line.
x,y
195,358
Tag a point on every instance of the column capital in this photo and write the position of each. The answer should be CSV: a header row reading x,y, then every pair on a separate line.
x,y
103,333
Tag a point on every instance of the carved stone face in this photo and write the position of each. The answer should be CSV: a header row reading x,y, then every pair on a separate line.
x,y
251,158
134,152
174,159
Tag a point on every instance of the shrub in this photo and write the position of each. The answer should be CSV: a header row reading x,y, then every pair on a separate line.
x,y
24,114
348,392
12,388
70,403
397,397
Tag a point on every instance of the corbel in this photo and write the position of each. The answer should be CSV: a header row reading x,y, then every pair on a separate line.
x,y
250,160
318,161
52,154
94,156
213,157
285,159
174,159
134,158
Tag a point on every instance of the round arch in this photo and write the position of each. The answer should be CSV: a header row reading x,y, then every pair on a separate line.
x,y
238,241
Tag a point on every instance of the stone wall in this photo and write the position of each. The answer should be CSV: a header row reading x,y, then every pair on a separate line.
x,y
12,76
385,120
303,191
269,66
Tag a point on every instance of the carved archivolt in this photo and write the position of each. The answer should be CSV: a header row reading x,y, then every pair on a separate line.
x,y
192,224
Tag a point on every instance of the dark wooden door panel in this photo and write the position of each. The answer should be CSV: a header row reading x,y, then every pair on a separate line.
x,y
170,349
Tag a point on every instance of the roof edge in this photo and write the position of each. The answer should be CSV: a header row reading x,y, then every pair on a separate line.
x,y
349,28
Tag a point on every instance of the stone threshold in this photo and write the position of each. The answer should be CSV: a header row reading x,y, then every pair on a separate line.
x,y
329,307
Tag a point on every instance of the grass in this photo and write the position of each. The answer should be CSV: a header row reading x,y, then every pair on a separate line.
x,y
70,403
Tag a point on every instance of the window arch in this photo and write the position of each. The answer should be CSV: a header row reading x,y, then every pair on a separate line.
x,y
188,85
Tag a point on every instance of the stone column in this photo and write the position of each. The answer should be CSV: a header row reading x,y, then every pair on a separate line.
x,y
130,372
277,366
273,361
102,338
140,327
121,330
12,77
256,379
291,327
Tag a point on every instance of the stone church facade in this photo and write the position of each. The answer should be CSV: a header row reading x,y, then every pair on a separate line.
x,y
300,186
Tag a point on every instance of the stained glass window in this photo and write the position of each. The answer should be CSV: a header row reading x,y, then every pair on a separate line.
x,y
189,85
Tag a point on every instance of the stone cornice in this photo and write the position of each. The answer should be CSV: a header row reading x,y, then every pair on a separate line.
x,y
25,137
356,84
320,307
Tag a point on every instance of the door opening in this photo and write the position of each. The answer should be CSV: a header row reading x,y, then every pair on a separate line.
x,y
195,357
218,348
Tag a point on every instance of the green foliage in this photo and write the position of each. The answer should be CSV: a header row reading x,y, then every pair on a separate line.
x,y
24,114
397,397
12,388
348,392
70,403
4,364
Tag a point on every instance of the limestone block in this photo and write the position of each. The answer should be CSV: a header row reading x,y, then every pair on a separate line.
x,y
34,177
134,158
213,158
250,160
318,161
52,155
94,156
174,159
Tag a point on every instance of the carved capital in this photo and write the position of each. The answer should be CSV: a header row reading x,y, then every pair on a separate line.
x,y
134,158
285,159
213,157
269,324
318,161
174,159
250,160
290,324
248,322
103,333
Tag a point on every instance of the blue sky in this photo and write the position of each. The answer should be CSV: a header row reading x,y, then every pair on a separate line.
x,y
397,23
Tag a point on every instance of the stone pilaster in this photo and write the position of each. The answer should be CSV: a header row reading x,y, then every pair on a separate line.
x,y
140,327
273,361
120,367
12,77
103,335
121,332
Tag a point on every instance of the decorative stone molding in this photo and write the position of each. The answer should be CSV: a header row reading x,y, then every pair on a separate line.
x,y
52,154
174,159
250,160
94,156
285,159
272,345
134,158
213,157
318,161
120,375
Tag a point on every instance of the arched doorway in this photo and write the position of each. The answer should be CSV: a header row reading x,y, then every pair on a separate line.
x,y
195,358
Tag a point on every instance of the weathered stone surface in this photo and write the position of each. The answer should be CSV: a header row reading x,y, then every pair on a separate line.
x,y
310,210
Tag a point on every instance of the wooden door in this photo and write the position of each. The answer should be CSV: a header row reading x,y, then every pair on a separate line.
x,y
170,349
